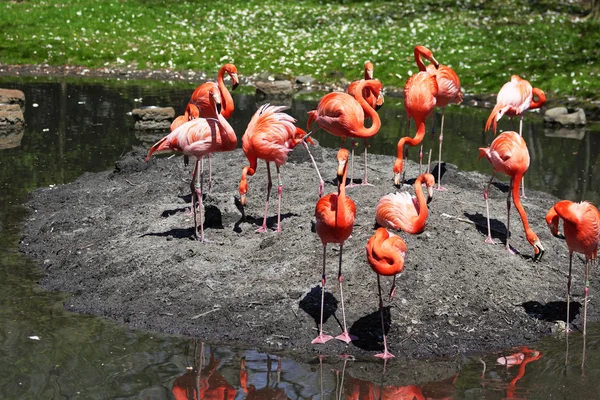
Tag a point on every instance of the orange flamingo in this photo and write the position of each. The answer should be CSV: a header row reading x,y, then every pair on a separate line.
x,y
509,155
270,136
344,115
448,92
198,138
522,358
335,214
191,112
401,211
552,220
420,93
385,253
581,224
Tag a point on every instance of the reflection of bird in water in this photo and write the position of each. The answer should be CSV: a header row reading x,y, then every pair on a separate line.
x,y
335,214
581,224
404,212
198,138
508,154
385,253
448,92
271,135
203,382
521,358
267,392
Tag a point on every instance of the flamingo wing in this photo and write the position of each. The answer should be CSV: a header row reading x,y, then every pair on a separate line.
x,y
397,210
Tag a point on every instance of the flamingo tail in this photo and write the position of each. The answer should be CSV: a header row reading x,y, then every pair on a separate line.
x,y
312,115
492,121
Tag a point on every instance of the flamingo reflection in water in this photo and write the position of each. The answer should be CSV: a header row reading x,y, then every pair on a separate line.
x,y
203,382
268,392
521,358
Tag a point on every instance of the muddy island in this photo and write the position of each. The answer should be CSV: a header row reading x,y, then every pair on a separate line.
x,y
122,243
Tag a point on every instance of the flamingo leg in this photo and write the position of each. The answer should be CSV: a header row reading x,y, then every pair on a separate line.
x,y
585,299
385,354
523,179
352,166
322,338
393,289
487,207
344,336
569,290
321,182
405,150
209,172
440,187
364,182
279,192
508,216
196,192
431,145
263,228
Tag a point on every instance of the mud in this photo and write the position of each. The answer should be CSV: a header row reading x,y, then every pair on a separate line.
x,y
122,243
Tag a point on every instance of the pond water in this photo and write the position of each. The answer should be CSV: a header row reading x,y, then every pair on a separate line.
x,y
49,353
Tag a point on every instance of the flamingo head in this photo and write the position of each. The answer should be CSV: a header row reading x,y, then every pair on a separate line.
x,y
538,249
215,100
398,166
243,190
232,71
541,98
427,54
369,70
342,158
192,111
430,183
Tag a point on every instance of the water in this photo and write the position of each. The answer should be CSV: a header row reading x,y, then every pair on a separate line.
x,y
49,353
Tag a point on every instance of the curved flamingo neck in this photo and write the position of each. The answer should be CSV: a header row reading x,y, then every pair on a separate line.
x,y
414,141
340,210
419,60
226,99
228,137
420,221
516,185
539,93
368,110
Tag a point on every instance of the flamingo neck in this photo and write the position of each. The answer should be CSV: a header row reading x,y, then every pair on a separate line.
x,y
226,99
541,98
228,137
369,112
340,210
419,60
516,185
422,202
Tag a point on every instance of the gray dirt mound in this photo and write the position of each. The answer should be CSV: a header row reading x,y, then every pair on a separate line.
x,y
122,242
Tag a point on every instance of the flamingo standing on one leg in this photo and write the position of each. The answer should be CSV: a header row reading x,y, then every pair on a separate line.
x,y
508,154
514,98
271,135
581,224
448,92
200,98
344,115
198,138
420,93
335,214
401,211
374,101
385,253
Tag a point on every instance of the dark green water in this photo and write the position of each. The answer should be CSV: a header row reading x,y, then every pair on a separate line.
x,y
49,353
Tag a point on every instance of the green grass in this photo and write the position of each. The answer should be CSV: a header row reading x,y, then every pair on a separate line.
x,y
484,41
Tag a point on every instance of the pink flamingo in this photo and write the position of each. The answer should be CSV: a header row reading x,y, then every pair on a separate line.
x,y
198,138
448,93
270,136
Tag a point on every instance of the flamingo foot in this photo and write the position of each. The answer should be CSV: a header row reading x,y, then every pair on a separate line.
x,y
263,229
365,183
510,251
278,229
352,184
489,240
440,188
346,337
385,355
321,339
203,239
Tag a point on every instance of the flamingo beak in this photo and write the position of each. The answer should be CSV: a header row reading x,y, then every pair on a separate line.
x,y
243,199
539,251
429,194
218,105
235,81
397,179
370,73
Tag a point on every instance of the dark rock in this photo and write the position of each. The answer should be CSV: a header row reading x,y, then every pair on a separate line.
x,y
561,116
274,89
11,115
305,80
153,118
12,96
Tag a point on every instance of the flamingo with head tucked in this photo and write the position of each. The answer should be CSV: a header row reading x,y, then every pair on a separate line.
x,y
344,115
271,135
198,138
448,93
386,253
335,214
420,93
508,154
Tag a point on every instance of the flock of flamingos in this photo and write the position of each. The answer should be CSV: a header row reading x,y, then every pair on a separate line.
x,y
272,134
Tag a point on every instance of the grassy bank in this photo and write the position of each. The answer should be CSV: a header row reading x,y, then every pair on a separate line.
x,y
484,41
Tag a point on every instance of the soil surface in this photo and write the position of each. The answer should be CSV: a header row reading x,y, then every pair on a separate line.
x,y
121,241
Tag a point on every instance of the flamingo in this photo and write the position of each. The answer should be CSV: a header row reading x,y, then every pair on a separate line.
x,y
191,112
385,253
448,92
270,136
508,154
374,101
581,224
198,138
552,220
514,98
401,211
420,93
344,115
335,214
522,358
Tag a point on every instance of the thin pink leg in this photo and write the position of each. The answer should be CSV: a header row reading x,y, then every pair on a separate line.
x,y
439,186
522,179
352,184
431,145
263,228
508,216
386,354
344,336
393,289
322,338
364,182
487,207
195,186
279,191
209,172
321,182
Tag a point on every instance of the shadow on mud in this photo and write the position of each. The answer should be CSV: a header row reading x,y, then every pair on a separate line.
x,y
368,330
552,311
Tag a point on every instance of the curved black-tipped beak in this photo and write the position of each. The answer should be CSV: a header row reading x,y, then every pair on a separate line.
x,y
235,85
218,108
540,253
